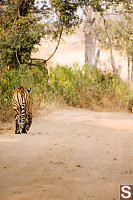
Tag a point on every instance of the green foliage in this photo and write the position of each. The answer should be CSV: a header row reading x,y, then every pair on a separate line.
x,y
87,87
20,7
124,31
23,24
130,104
25,6
35,78
79,87
66,14
121,33
17,42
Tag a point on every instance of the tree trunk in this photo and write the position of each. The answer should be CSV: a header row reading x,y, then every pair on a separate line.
x,y
129,77
90,37
132,72
110,45
97,58
91,34
90,48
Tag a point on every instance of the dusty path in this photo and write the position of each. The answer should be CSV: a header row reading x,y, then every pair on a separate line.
x,y
68,155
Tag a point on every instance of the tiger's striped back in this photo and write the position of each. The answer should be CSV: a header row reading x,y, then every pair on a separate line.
x,y
22,109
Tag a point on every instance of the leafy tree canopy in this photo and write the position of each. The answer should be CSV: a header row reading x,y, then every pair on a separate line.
x,y
23,23
20,30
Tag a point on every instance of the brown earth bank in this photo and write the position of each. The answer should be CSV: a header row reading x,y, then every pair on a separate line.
x,y
69,154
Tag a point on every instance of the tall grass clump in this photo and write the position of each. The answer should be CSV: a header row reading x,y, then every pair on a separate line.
x,y
88,87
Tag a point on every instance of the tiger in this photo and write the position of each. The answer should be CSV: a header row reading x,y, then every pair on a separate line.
x,y
22,109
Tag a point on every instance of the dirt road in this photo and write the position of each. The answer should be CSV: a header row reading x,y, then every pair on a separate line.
x,y
68,155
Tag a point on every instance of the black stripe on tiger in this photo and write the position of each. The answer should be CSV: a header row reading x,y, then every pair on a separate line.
x,y
22,109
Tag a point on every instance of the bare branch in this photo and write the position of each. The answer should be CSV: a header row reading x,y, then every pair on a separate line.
x,y
57,45
17,57
110,44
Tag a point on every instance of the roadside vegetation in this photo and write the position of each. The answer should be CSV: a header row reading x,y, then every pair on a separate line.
x,y
22,25
83,87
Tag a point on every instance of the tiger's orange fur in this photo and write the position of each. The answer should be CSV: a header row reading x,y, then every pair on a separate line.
x,y
22,109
